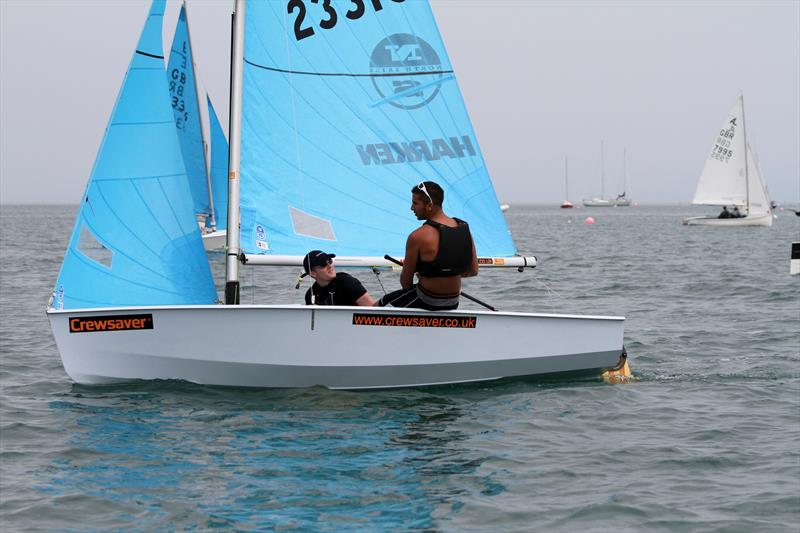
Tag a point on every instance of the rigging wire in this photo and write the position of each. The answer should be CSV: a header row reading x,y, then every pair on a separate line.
x,y
550,290
378,277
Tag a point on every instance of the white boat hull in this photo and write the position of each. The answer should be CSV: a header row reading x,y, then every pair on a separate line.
x,y
215,241
598,202
337,347
760,220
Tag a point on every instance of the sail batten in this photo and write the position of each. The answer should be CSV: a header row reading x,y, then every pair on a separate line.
x,y
347,74
343,137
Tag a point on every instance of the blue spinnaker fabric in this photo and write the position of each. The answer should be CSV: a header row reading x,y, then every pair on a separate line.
x,y
219,168
183,95
136,240
346,106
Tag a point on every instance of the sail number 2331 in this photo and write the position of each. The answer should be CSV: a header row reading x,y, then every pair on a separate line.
x,y
303,29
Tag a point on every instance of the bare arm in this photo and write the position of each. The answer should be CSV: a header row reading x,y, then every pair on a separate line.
x,y
473,269
410,261
366,300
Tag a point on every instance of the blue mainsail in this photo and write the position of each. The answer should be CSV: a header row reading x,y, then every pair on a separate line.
x,y
219,168
136,240
346,106
183,95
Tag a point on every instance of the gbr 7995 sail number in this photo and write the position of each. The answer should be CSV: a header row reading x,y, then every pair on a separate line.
x,y
302,29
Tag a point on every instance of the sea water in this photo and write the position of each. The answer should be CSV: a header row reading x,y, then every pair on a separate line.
x,y
706,439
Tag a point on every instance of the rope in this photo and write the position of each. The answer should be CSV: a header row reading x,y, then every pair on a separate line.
x,y
549,290
378,276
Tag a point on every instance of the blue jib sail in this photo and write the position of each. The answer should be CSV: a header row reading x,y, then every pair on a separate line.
x,y
136,240
346,106
219,168
183,96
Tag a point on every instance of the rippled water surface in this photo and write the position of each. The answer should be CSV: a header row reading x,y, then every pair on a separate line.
x,y
706,439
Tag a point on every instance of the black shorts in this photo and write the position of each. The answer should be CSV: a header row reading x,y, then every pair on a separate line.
x,y
419,298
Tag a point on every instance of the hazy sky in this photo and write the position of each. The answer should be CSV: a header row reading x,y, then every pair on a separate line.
x,y
542,80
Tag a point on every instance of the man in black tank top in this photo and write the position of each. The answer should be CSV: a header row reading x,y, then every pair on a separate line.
x,y
440,253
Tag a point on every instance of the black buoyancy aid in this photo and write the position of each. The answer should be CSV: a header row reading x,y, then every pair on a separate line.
x,y
455,251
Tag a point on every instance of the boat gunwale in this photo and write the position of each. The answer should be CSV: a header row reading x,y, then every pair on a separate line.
x,y
325,308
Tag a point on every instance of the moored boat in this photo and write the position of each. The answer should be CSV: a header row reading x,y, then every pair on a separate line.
x,y
600,201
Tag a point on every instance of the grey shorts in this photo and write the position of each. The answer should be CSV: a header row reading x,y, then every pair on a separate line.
x,y
417,297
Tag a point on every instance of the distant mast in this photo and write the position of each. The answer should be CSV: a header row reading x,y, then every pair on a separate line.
x,y
602,172
624,172
746,170
566,204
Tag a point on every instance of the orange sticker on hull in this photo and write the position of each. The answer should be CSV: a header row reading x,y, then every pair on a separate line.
x,y
93,324
363,319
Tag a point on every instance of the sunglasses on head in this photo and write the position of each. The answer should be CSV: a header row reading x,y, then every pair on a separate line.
x,y
422,188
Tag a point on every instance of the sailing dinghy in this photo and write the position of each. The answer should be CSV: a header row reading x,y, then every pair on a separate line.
x,y
337,111
205,153
731,177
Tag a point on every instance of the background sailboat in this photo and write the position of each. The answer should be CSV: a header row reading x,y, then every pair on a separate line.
x,y
623,200
328,147
204,152
731,178
135,240
566,204
600,201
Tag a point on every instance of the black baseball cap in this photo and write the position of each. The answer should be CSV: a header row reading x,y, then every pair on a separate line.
x,y
316,258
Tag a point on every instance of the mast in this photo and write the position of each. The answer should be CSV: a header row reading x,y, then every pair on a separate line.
x,y
203,132
234,153
746,173
602,173
624,173
566,178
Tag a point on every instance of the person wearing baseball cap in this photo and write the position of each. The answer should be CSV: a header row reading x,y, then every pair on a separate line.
x,y
330,287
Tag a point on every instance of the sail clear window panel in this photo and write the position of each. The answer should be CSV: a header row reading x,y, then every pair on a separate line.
x,y
311,226
93,249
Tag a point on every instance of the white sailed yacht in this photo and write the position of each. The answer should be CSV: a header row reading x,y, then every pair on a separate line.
x,y
731,177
